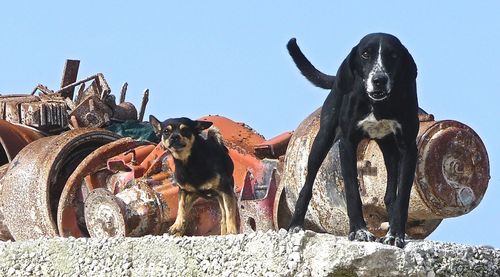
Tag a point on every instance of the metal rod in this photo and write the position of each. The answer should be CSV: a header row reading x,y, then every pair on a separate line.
x,y
70,73
79,96
93,77
123,92
145,100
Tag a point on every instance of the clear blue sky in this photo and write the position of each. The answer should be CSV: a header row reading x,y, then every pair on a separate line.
x,y
229,58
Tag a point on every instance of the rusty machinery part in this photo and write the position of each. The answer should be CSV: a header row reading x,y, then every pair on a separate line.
x,y
46,113
104,215
123,92
327,209
446,171
453,169
274,147
145,100
91,112
14,138
70,73
256,200
133,212
91,173
33,184
451,177
237,136
4,230
145,207
124,111
99,86
241,140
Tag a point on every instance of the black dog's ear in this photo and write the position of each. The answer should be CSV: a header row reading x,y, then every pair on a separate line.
x,y
202,125
410,67
345,74
156,124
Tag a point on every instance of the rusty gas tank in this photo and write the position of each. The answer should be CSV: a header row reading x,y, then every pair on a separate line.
x,y
451,178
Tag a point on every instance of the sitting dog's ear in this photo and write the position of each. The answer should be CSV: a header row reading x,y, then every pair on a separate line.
x,y
345,74
202,125
156,124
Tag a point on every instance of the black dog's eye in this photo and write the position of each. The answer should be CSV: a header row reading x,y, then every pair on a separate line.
x,y
365,55
166,132
185,132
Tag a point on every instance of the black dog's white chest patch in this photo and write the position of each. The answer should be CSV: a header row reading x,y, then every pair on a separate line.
x,y
377,129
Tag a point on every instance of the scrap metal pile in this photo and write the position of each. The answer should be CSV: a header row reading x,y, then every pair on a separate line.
x,y
64,174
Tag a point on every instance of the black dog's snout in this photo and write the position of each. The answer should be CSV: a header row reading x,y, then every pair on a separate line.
x,y
380,80
175,138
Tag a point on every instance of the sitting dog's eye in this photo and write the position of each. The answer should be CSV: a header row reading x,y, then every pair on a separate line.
x,y
365,55
185,132
166,132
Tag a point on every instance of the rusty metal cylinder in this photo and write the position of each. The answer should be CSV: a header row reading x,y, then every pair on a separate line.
x,y
134,212
32,185
451,178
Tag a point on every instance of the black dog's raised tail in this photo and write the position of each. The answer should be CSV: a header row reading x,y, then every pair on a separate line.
x,y
312,74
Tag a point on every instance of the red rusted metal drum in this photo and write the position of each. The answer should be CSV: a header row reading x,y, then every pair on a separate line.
x,y
451,178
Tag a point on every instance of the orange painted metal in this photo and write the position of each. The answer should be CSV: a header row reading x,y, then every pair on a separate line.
x,y
13,138
273,148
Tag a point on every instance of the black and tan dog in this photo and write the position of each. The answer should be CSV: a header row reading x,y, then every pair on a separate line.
x,y
203,168
373,96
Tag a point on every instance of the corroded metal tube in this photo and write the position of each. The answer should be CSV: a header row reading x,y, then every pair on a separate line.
x,y
32,185
451,178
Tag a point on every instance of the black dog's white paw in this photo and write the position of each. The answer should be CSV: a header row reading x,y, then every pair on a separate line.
x,y
398,241
295,229
361,235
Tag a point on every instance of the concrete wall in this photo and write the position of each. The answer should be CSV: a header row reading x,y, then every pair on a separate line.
x,y
255,254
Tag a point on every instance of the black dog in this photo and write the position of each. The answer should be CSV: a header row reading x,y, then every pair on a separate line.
x,y
373,96
203,168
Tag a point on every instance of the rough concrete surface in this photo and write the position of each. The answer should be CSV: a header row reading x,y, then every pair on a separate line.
x,y
254,254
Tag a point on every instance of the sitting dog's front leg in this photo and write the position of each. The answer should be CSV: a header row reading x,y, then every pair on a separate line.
x,y
357,225
186,201
223,224
230,206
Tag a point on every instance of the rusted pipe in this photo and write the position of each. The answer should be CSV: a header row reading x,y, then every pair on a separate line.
x,y
32,185
451,178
